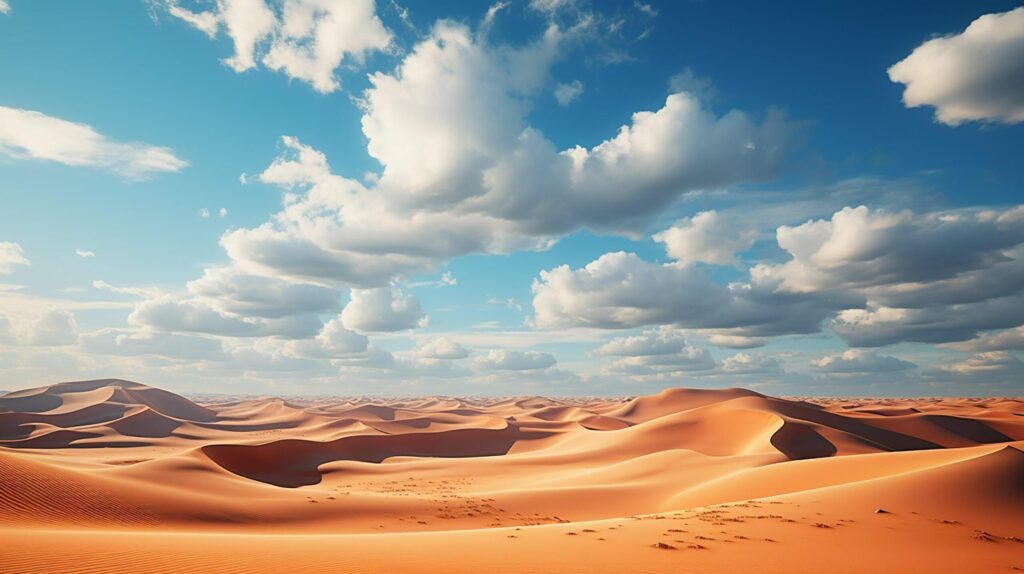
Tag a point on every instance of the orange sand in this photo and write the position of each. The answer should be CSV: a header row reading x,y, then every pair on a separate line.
x,y
112,476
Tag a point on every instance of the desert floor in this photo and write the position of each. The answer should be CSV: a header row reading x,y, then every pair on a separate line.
x,y
112,476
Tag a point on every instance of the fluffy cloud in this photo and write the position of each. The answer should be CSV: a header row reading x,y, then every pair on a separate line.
x,y
750,364
137,343
975,75
620,290
881,277
989,364
197,315
863,248
307,40
861,361
998,341
687,358
333,341
11,254
52,328
382,309
566,94
707,237
464,173
233,291
655,342
27,134
84,253
509,360
442,348
5,8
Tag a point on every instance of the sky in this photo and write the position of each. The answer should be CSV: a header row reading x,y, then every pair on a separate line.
x,y
556,197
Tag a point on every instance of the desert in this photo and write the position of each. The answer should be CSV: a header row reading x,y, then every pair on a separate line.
x,y
123,477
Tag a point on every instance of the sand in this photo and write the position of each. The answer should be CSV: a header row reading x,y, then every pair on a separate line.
x,y
115,476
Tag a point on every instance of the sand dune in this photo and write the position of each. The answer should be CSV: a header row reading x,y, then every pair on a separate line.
x,y
116,476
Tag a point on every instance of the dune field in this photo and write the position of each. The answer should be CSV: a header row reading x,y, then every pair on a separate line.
x,y
115,476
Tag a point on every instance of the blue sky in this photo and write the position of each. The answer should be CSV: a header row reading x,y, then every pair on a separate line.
x,y
524,197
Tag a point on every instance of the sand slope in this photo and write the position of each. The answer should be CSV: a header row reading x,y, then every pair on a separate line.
x,y
116,476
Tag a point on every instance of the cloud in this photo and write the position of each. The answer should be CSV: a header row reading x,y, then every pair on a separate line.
x,y
998,341
860,361
51,328
130,343
464,173
687,358
333,341
977,75
509,360
198,315
441,348
620,290
204,213
11,254
566,94
5,8
382,309
654,342
222,212
84,253
307,40
707,237
988,364
27,134
234,291
688,81
141,292
750,364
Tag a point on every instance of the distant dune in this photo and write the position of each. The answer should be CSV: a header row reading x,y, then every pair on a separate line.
x,y
115,476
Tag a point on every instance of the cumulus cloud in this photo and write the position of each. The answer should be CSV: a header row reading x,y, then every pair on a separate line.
x,y
11,255
975,75
464,173
750,364
233,291
707,237
124,342
51,328
441,348
998,341
687,358
5,7
27,134
621,290
566,94
988,364
653,342
860,361
307,40
382,309
333,341
198,315
510,360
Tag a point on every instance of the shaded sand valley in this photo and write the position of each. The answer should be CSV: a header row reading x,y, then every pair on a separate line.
x,y
114,476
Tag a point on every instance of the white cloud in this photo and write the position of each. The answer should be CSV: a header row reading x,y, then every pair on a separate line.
x,y
708,237
27,134
141,292
333,341
566,94
998,341
989,363
750,364
5,8
223,212
11,254
204,213
53,327
687,358
860,361
84,253
510,360
307,40
198,315
382,309
130,343
655,342
463,172
975,75
233,291
441,348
